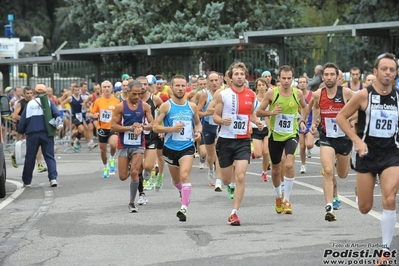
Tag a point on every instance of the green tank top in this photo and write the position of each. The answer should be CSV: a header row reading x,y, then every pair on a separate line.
x,y
284,125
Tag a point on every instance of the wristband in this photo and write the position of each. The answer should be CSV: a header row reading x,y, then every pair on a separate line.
x,y
303,121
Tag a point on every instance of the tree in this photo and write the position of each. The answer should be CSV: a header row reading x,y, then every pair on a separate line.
x,y
125,22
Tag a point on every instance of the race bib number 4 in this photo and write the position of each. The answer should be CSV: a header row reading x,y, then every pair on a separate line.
x,y
239,124
284,123
105,116
185,134
332,128
130,139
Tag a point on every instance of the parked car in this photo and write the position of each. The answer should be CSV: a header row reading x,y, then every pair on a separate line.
x,y
4,110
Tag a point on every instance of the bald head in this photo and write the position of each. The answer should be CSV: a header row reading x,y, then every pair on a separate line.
x,y
370,80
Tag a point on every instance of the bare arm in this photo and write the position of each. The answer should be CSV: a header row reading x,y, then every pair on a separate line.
x,y
211,107
197,122
67,100
148,116
86,103
261,112
201,103
217,117
316,110
15,115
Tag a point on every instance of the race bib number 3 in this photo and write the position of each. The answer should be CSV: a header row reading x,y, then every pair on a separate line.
x,y
105,116
284,123
130,139
332,128
239,124
185,134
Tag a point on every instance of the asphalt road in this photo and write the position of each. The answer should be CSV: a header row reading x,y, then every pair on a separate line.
x,y
85,221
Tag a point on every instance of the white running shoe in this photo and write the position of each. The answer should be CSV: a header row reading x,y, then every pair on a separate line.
x,y
211,178
303,169
142,200
309,153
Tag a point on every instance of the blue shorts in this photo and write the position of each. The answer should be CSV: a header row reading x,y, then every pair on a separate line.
x,y
209,133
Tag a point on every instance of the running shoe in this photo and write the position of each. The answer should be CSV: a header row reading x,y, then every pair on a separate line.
x,y
233,220
303,169
211,178
14,161
112,164
149,185
201,165
53,183
286,207
76,146
278,205
264,177
329,216
106,172
27,185
133,208
218,185
230,190
182,215
41,168
336,203
159,183
142,200
309,153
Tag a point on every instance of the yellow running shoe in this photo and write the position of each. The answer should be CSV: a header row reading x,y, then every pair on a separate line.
x,y
278,205
287,207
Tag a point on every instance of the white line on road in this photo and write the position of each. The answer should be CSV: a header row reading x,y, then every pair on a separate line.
x,y
14,195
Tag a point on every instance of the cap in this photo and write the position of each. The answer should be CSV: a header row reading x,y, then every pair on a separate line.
x,y
151,79
8,89
118,86
125,76
40,88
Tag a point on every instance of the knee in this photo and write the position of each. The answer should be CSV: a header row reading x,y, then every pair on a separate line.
x,y
240,178
328,172
365,207
289,166
389,202
122,177
134,173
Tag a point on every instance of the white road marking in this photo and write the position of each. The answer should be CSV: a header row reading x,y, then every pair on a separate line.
x,y
14,195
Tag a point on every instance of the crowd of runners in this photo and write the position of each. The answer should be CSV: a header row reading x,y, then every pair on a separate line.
x,y
145,122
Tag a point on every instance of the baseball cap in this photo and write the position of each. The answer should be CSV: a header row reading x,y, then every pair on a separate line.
x,y
125,76
118,86
8,89
151,79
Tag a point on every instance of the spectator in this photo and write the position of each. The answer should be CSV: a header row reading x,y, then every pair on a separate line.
x,y
315,82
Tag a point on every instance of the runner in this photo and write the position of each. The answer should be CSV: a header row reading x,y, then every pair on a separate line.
x,y
376,144
260,139
128,120
176,118
284,102
327,103
210,131
103,109
234,110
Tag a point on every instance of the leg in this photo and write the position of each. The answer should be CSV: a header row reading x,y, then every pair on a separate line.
x,y
240,170
47,144
32,145
211,154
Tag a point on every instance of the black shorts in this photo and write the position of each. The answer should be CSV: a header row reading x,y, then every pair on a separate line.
x,y
342,146
377,161
76,121
209,133
260,134
229,150
160,143
276,148
151,140
104,135
172,157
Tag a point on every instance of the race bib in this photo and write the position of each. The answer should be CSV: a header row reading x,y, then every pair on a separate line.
x,y
332,128
79,116
239,124
284,123
105,116
130,139
185,134
383,123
